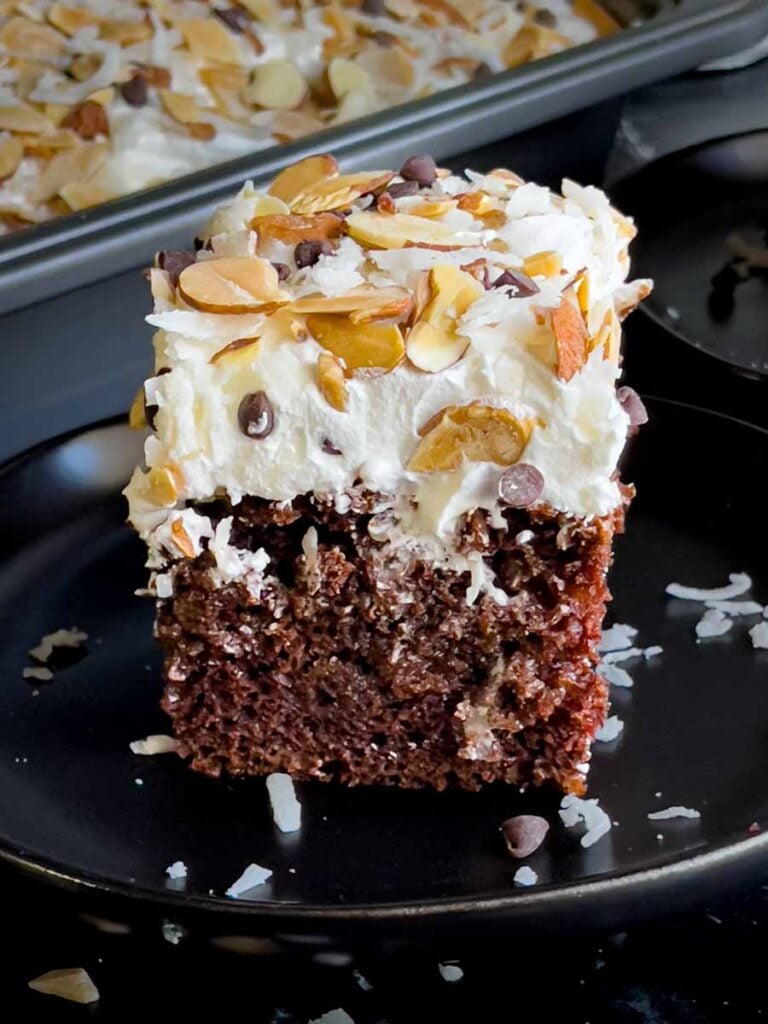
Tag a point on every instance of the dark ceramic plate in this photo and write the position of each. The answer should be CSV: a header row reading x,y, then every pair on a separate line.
x,y
696,730
686,205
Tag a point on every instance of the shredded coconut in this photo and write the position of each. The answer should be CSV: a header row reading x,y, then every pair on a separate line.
x,y
253,876
38,672
611,730
759,636
71,638
739,584
673,812
156,744
615,676
286,809
337,1016
173,932
617,638
713,623
734,608
177,870
525,876
574,809
450,972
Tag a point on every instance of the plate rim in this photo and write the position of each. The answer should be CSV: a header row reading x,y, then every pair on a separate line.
x,y
549,900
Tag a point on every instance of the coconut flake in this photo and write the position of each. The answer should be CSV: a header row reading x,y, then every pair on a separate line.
x,y
450,972
177,870
735,608
615,676
173,932
337,1016
39,673
673,812
71,983
617,638
54,88
713,623
71,638
253,876
286,809
739,584
759,636
610,730
155,744
525,876
574,809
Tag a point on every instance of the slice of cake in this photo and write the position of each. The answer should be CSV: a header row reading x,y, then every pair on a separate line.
x,y
381,486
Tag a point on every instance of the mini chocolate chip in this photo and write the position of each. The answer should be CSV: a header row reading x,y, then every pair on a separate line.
x,y
373,7
524,834
420,168
234,18
134,91
256,415
202,243
329,447
482,70
516,279
173,261
398,189
384,38
545,18
307,254
283,271
632,404
520,485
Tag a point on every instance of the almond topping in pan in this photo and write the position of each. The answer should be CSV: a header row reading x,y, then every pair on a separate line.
x,y
235,284
181,539
340,191
297,177
183,108
543,264
473,433
276,85
571,339
293,229
344,76
23,118
596,14
363,304
70,19
331,381
360,346
11,152
382,231
210,40
32,40
433,343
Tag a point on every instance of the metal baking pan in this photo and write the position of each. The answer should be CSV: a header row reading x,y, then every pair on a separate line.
x,y
84,247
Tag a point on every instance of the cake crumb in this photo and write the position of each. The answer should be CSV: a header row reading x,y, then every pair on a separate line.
x,y
253,876
450,972
525,876
72,983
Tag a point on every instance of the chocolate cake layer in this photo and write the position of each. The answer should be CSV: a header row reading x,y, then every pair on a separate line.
x,y
352,666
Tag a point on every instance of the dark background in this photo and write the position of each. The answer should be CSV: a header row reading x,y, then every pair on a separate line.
x,y
80,357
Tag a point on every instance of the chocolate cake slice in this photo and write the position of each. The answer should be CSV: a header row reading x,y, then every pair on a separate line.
x,y
380,490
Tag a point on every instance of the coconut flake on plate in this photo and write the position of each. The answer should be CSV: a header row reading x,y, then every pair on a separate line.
x,y
39,673
525,876
673,812
574,809
739,584
177,870
735,608
617,638
286,809
713,623
253,876
759,636
337,1016
173,932
155,744
611,729
615,676
450,972
71,638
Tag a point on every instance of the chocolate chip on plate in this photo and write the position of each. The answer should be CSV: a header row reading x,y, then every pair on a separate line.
x,y
307,254
524,834
421,168
398,189
134,91
283,271
632,404
234,18
173,261
329,447
516,279
520,485
256,415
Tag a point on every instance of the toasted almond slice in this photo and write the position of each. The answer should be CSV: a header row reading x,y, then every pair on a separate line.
x,y
126,33
70,19
84,66
102,96
433,208
422,294
267,11
276,85
583,292
382,231
31,40
288,125
201,130
240,346
80,195
543,264
77,164
182,107
433,343
432,347
235,284
137,414
23,118
340,191
297,177
626,226
360,346
478,203
331,381
452,13
161,486
11,152
224,78
520,49
596,14
363,304
292,229
344,35
392,65
208,39
634,294
345,76
181,539
472,433
571,339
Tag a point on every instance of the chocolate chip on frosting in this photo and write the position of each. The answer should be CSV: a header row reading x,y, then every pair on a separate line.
x,y
523,285
173,261
398,189
283,271
256,416
421,169
520,485
235,18
134,91
524,834
329,447
632,404
307,254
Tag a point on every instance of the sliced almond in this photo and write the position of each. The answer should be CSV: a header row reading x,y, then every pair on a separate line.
x,y
70,19
471,433
520,49
201,130
84,66
240,347
288,125
11,152
479,204
433,343
81,195
23,118
126,33
363,305
161,486
235,284
345,76
452,12
31,40
382,231
297,177
392,66
208,39
77,164
596,14
276,85
157,77
543,264
625,225
137,414
183,108
340,191
344,36
181,539
432,209
634,294
360,346
232,79
102,96
292,229
268,11
583,293
331,381
571,339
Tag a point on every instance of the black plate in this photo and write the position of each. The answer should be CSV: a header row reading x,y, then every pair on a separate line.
x,y
686,205
696,727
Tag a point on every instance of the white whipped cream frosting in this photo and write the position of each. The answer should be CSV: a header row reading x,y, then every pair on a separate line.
x,y
580,428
